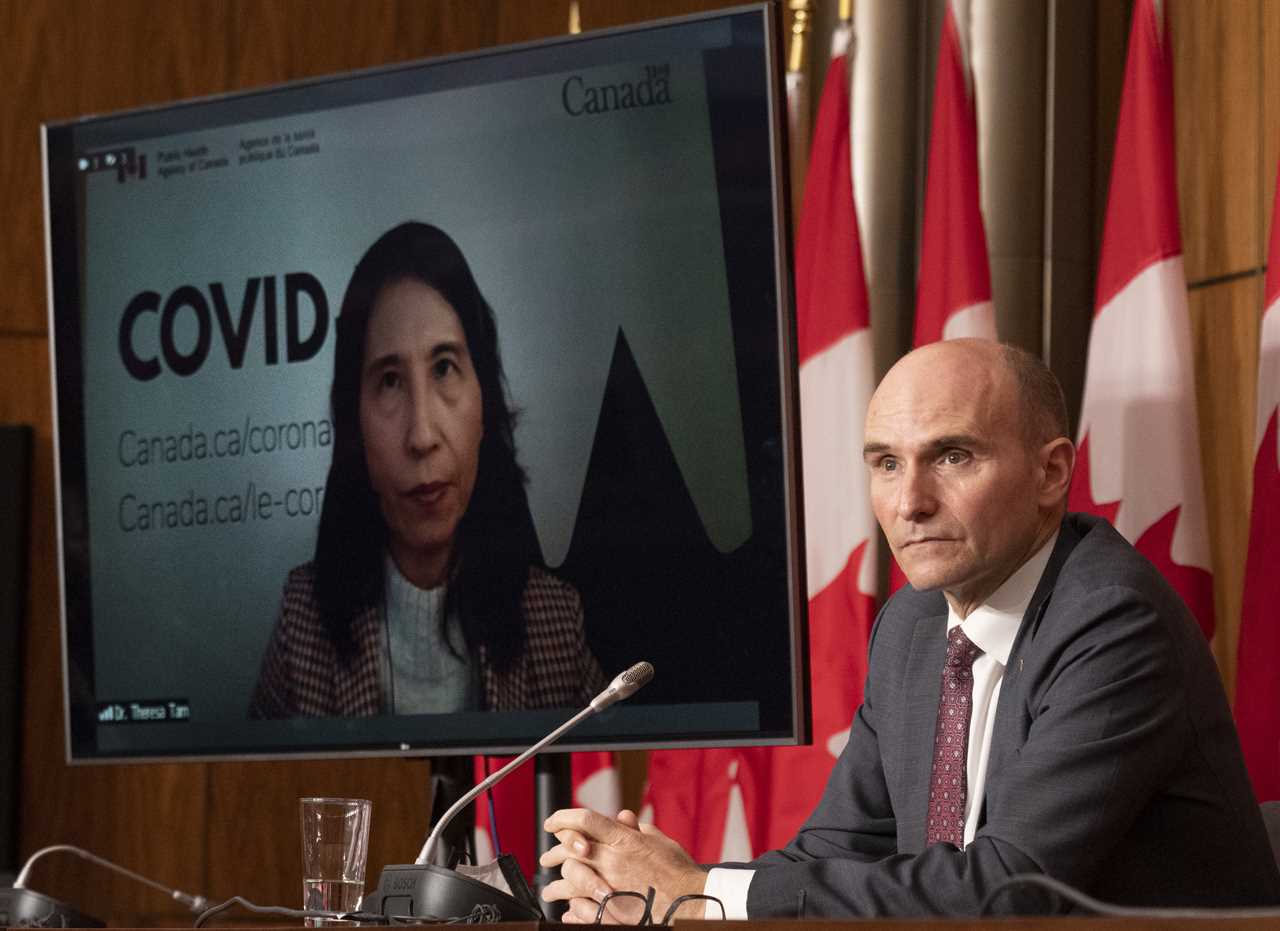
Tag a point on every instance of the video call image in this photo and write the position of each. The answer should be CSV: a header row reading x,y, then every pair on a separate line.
x,y
645,405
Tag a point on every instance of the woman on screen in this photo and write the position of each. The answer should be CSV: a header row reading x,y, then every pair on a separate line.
x,y
425,594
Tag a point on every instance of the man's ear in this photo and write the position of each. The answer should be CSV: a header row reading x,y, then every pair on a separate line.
x,y
1057,460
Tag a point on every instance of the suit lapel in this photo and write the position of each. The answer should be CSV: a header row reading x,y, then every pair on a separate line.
x,y
1007,734
1068,537
922,689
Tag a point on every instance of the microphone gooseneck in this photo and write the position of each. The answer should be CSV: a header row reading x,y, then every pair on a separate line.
x,y
623,686
196,903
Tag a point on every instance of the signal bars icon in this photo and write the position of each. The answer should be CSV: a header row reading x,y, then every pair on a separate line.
x,y
124,161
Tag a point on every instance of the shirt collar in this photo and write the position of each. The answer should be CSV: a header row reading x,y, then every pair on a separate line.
x,y
993,625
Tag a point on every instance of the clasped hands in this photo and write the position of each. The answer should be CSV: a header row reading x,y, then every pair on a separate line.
x,y
598,855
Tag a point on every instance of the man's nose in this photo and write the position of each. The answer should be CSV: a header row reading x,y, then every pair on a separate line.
x,y
916,495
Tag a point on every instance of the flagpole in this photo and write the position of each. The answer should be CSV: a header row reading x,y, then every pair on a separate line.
x,y
798,100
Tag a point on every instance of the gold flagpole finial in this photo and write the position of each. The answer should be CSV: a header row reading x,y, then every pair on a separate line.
x,y
801,11
575,18
846,10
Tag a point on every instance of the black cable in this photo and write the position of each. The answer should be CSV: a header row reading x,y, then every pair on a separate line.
x,y
221,907
482,914
1098,907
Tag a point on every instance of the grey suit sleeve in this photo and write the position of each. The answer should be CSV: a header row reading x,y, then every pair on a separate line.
x,y
1103,722
852,829
854,819
853,823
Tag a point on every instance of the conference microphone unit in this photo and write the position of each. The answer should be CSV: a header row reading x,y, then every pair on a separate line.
x,y
427,888
23,908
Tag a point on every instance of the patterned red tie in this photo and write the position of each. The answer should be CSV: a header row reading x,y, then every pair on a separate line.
x,y
948,785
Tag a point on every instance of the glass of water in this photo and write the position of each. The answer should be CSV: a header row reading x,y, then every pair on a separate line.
x,y
335,849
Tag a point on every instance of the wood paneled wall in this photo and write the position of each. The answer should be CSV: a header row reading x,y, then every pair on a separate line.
x,y
225,829
1226,58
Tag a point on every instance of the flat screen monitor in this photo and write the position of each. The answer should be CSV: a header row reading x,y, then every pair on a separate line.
x,y
398,410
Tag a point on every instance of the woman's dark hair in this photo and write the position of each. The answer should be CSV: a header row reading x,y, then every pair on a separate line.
x,y
494,543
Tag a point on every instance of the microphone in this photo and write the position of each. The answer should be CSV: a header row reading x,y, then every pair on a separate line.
x,y
196,903
623,686
22,906
426,889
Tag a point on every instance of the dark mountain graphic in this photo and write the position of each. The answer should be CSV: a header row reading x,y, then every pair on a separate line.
x,y
654,587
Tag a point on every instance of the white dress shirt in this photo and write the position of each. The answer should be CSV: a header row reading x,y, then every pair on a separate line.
x,y
992,626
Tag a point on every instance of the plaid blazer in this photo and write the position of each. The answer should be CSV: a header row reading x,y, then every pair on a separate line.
x,y
302,677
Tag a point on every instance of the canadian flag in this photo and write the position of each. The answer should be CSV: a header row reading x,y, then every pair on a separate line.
x,y
954,292
953,297
735,803
507,805
1257,682
1139,458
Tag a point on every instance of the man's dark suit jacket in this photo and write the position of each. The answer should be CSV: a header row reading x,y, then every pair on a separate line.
x,y
1114,764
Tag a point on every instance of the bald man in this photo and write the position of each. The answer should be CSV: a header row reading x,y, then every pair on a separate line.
x,y
1038,699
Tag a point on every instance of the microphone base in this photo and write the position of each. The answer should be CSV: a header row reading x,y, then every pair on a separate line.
x,y
426,891
22,908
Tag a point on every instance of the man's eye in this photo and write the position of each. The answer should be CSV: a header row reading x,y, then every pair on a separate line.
x,y
955,456
888,465
389,379
443,366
